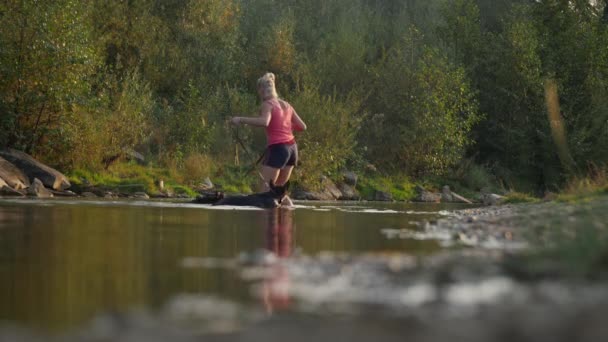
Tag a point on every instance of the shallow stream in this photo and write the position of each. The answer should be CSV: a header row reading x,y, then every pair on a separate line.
x,y
154,270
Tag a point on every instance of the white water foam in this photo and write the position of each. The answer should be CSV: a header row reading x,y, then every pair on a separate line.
x,y
372,211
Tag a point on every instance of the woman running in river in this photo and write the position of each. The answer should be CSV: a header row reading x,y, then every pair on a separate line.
x,y
280,120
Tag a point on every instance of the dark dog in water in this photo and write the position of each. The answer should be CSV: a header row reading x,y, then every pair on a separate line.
x,y
268,199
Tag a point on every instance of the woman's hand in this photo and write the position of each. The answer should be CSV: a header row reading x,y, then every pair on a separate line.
x,y
235,120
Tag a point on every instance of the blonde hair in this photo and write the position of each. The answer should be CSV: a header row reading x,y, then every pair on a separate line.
x,y
266,82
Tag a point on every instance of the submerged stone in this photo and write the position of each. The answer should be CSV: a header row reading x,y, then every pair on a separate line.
x,y
37,189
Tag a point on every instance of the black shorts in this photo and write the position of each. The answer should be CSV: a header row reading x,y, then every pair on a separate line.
x,y
280,155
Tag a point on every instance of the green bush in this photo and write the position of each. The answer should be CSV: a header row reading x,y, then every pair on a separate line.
x,y
427,110
330,140
477,177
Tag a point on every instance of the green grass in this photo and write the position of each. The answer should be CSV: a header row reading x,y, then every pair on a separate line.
x,y
182,190
400,187
131,177
125,178
580,189
234,179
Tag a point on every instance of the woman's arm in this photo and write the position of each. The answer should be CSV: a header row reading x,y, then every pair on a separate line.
x,y
262,121
297,122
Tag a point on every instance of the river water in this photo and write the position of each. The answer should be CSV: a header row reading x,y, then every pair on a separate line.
x,y
62,262
97,270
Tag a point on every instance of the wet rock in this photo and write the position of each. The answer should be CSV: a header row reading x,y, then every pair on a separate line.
x,y
98,192
350,178
158,195
10,192
207,184
329,191
299,195
382,196
426,196
446,194
141,195
349,193
109,195
35,169
37,189
66,193
303,195
88,194
12,175
492,199
169,194
330,188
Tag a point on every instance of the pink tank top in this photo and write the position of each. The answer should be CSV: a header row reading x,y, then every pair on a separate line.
x,y
279,130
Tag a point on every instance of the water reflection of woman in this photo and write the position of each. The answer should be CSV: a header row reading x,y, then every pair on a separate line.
x,y
279,240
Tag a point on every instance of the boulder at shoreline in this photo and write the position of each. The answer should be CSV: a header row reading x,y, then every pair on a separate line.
x,y
426,196
383,196
492,199
34,169
37,189
10,192
330,189
12,175
349,193
350,178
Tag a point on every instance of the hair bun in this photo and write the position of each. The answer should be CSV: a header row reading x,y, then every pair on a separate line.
x,y
266,83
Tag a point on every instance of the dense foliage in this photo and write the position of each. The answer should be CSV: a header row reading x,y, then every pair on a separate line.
x,y
412,87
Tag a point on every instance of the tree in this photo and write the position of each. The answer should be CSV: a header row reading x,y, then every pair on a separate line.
x,y
426,110
47,60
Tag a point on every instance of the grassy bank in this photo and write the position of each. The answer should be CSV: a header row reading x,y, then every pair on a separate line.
x,y
130,177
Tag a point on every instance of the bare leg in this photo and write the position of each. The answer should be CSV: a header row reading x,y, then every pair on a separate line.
x,y
282,178
283,175
269,174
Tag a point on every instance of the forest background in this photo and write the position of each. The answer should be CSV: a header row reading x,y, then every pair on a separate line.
x,y
400,91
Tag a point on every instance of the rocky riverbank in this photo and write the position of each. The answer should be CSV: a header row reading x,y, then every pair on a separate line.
x,y
21,175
